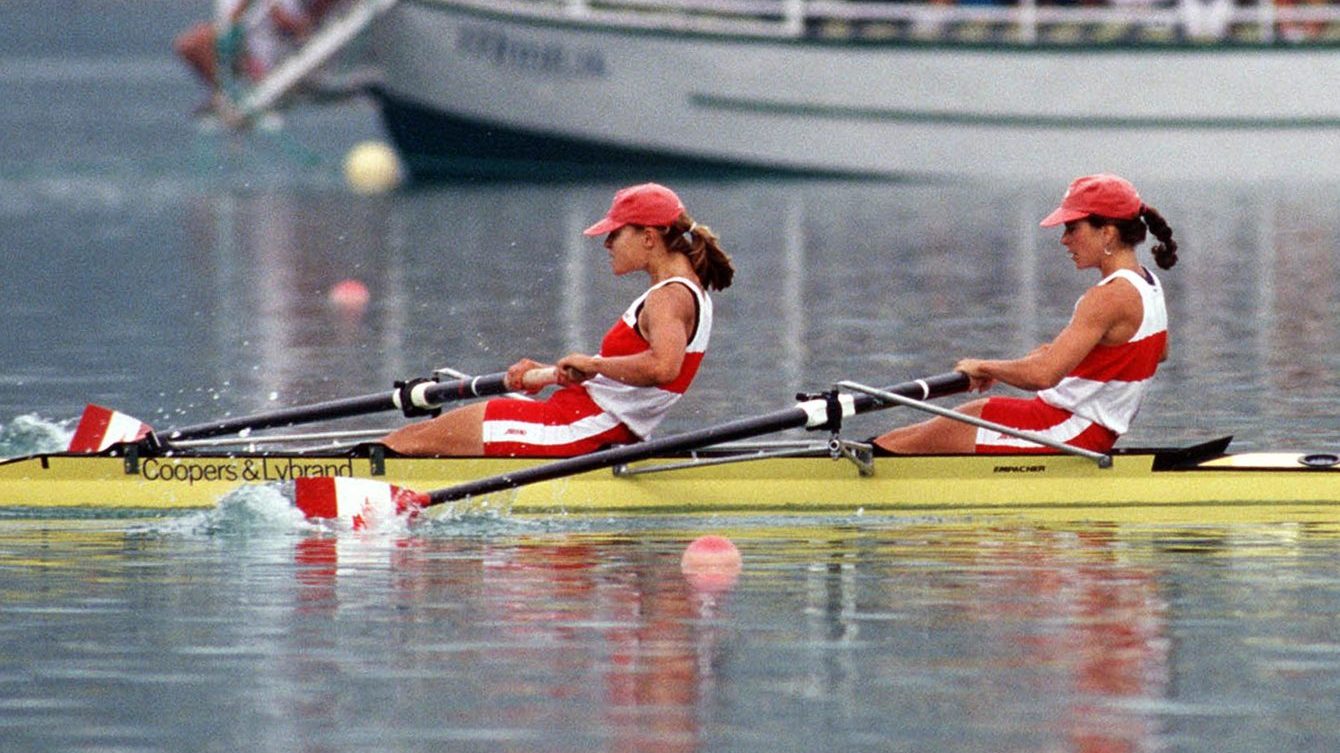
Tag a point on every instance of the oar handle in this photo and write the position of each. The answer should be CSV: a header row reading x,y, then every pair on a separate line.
x,y
429,395
537,378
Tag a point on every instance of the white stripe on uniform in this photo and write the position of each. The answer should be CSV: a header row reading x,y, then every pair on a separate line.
x,y
1063,432
502,430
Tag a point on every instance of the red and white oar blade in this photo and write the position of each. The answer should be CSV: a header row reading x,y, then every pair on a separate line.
x,y
100,428
360,501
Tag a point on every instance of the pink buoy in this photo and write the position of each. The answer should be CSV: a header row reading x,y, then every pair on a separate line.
x,y
711,563
349,294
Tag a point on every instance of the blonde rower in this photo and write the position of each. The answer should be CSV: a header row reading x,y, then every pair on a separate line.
x,y
645,362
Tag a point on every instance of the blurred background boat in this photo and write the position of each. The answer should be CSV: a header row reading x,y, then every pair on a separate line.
x,y
1199,89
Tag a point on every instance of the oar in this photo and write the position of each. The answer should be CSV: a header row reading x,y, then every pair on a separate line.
x,y
355,499
100,428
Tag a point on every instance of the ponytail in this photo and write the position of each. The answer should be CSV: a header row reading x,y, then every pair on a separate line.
x,y
1165,251
712,265
1134,231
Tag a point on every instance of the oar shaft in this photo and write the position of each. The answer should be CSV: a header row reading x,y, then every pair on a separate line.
x,y
811,413
425,394
784,419
332,409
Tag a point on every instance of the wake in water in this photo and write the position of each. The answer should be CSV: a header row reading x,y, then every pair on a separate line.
x,y
263,511
29,434
257,510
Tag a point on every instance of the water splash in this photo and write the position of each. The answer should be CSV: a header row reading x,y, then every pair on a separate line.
x,y
29,434
254,511
266,511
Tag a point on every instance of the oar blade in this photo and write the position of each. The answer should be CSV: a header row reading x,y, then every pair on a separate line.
x,y
100,428
360,502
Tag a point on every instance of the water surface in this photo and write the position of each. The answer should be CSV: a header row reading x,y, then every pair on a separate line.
x,y
179,274
492,634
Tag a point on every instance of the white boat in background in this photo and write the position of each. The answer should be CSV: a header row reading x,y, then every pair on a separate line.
x,y
575,87
1200,90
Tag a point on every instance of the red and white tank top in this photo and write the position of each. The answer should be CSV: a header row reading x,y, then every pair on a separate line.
x,y
642,408
1109,384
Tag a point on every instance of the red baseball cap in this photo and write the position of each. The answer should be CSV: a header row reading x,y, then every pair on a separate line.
x,y
649,204
1104,195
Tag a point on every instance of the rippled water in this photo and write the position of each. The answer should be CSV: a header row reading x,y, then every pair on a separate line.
x,y
179,274
495,634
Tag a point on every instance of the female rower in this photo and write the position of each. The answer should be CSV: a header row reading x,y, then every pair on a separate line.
x,y
646,360
1093,376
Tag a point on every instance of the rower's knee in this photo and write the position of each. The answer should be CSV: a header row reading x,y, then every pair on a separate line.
x,y
422,438
454,433
905,440
398,442
936,436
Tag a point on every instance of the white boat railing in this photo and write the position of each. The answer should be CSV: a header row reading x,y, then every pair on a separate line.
x,y
1005,21
991,22
323,45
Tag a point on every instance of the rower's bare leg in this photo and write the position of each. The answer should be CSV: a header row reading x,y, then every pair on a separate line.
x,y
458,432
935,436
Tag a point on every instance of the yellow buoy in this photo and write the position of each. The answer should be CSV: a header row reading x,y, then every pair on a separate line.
x,y
372,167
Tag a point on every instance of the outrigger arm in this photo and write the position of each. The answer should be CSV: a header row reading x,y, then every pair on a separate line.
x,y
1103,460
859,453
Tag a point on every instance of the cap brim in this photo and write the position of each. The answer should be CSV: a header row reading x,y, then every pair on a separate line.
x,y
606,225
1061,216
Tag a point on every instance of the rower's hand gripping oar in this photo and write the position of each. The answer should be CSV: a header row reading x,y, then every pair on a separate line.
x,y
99,428
355,500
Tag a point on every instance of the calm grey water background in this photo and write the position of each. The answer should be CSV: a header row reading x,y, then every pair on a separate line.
x,y
180,274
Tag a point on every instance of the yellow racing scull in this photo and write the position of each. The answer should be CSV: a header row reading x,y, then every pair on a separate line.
x,y
840,478
709,471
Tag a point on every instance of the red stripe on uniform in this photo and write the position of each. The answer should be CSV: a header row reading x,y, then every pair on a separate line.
x,y
565,407
618,435
1035,415
687,371
1134,361
622,340
1021,413
1096,438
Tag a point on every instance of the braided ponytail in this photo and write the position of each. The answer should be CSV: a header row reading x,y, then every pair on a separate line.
x,y
1133,232
1165,251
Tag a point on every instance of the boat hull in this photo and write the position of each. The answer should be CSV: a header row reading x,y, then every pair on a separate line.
x,y
1154,485
471,92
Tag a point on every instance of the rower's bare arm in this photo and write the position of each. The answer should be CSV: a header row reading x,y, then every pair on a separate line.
x,y
667,318
1099,311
